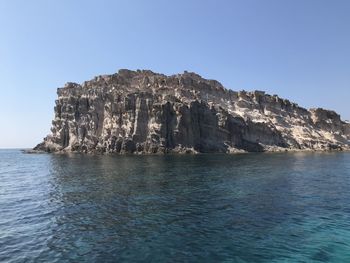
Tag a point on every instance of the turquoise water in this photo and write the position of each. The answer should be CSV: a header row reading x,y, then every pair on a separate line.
x,y
291,207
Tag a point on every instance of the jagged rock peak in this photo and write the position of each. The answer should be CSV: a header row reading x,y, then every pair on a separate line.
x,y
146,112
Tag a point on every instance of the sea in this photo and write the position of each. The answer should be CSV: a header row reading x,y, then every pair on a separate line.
x,y
256,207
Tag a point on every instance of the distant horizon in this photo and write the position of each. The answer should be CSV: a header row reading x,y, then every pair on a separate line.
x,y
298,50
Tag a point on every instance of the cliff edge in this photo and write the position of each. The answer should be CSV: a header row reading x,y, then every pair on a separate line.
x,y
145,112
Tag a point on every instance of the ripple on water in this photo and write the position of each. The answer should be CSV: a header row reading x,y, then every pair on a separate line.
x,y
240,208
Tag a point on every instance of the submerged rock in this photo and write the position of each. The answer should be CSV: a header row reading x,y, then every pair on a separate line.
x,y
145,112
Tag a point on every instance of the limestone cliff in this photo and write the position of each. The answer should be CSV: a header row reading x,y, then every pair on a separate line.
x,y
146,112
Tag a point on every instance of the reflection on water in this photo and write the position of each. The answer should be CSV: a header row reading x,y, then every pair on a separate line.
x,y
243,208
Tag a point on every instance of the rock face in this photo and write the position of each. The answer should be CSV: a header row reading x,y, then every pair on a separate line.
x,y
146,112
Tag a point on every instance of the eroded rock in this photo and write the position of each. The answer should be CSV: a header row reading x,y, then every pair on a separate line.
x,y
144,112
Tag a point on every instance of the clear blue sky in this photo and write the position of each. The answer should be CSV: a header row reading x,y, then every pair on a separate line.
x,y
298,49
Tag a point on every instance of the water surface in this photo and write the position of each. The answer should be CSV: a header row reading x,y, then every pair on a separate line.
x,y
290,207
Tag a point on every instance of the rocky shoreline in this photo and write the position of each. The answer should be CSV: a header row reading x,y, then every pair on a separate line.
x,y
142,112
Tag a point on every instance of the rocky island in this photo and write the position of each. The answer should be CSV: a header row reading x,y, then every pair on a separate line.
x,y
145,112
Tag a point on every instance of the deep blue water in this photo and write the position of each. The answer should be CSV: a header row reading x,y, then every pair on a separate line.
x,y
290,207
